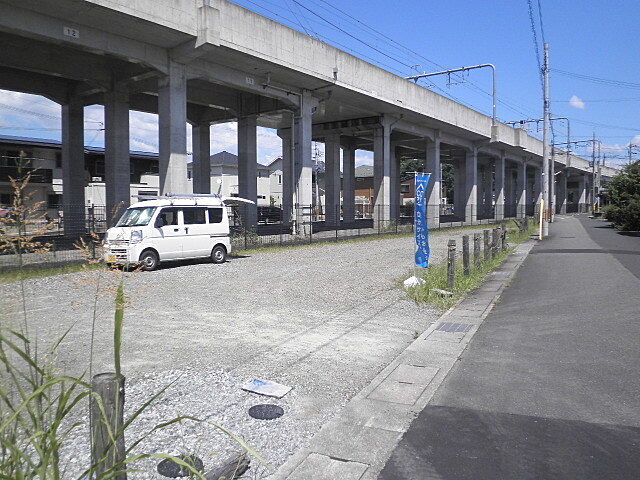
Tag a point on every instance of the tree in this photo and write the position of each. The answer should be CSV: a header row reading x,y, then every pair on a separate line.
x,y
410,165
624,197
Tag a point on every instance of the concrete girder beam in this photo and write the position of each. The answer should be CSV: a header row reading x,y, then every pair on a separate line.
x,y
37,26
48,59
53,88
244,81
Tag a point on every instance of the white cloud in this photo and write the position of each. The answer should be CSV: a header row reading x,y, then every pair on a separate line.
x,y
576,102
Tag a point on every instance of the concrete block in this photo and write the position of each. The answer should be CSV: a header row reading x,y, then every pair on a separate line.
x,y
454,337
355,442
322,467
404,384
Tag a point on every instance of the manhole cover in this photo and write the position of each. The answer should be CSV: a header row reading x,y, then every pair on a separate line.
x,y
169,468
266,412
451,327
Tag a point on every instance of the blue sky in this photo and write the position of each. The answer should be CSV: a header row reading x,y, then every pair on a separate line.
x,y
592,38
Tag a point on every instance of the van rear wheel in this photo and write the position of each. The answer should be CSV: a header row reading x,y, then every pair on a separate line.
x,y
149,260
218,254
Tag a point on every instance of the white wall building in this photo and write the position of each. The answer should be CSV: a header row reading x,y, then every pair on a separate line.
x,y
224,177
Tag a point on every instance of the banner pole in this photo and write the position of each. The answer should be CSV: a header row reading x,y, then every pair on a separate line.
x,y
415,222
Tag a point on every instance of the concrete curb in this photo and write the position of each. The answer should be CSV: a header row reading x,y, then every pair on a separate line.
x,y
356,443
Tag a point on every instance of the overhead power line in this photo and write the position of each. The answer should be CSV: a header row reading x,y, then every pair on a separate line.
x,y
604,100
604,81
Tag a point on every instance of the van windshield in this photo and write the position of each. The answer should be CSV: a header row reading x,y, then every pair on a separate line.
x,y
136,217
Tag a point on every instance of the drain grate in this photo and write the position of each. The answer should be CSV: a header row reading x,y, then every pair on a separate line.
x,y
451,327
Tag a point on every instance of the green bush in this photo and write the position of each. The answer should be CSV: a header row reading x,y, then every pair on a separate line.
x,y
624,197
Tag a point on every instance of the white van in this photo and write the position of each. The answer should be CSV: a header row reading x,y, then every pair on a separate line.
x,y
174,227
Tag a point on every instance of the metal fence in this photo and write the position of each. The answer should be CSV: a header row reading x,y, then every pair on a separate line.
x,y
303,225
40,235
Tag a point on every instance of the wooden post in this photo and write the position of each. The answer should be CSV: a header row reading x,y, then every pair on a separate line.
x,y
495,244
503,237
451,264
105,453
466,268
476,250
229,468
487,250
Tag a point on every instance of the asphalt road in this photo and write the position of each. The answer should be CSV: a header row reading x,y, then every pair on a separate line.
x,y
549,387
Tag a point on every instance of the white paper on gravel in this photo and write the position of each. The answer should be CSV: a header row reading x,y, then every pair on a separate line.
x,y
266,387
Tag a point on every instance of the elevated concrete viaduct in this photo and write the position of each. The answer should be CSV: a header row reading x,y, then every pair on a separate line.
x,y
200,62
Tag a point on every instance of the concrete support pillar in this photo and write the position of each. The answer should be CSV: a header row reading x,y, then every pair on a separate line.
x,y
288,181
582,193
499,186
201,166
382,175
248,168
303,163
394,185
348,184
459,189
117,165
537,189
332,179
487,190
172,129
432,165
73,170
521,189
471,187
561,193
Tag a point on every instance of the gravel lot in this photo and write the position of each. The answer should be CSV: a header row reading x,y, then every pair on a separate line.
x,y
323,319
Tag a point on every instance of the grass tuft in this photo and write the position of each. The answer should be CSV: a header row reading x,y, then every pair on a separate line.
x,y
41,271
435,276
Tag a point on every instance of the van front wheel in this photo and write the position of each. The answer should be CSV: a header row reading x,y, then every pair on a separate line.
x,y
218,254
149,260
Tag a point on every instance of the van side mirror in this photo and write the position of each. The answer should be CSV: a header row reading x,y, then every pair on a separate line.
x,y
159,222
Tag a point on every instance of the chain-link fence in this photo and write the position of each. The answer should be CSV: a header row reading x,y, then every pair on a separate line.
x,y
39,234
275,227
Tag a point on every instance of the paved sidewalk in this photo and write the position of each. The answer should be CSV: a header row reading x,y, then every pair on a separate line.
x,y
549,388
355,444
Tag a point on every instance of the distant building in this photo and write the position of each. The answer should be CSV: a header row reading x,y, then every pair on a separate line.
x,y
224,177
43,159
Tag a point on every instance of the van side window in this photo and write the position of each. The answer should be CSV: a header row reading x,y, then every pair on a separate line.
x,y
168,216
215,215
193,216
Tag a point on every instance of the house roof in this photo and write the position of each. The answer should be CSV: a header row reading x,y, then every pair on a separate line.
x,y
227,159
50,143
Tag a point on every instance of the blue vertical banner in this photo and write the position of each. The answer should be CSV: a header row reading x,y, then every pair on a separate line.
x,y
421,227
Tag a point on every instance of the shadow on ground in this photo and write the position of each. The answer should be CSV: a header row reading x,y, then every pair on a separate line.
x,y
467,444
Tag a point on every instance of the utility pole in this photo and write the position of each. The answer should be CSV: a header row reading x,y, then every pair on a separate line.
x,y
631,147
545,143
593,173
